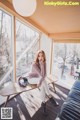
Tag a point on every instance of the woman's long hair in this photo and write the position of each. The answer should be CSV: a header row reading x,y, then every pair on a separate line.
x,y
37,60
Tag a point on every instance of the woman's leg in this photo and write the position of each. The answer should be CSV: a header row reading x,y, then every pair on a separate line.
x,y
43,92
42,88
46,88
43,95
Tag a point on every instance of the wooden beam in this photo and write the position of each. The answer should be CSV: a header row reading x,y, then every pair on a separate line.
x,y
40,41
67,41
14,70
60,36
51,57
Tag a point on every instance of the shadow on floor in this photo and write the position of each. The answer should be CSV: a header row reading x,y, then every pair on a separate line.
x,y
20,111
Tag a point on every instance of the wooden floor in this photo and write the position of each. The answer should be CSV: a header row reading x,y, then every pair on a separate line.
x,y
27,105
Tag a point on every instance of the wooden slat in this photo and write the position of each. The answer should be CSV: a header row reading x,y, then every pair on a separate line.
x,y
66,37
67,41
51,58
14,70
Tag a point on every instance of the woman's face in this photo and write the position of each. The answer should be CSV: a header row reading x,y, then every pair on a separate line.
x,y
40,57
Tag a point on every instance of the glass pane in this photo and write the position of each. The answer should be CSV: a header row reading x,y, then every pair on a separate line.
x,y
6,82
25,36
5,43
66,58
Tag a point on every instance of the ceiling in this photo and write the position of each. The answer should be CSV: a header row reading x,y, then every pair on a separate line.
x,y
58,19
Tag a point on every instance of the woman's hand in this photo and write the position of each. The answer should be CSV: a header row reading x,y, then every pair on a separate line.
x,y
41,62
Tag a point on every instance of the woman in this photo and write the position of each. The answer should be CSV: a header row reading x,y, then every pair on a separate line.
x,y
38,75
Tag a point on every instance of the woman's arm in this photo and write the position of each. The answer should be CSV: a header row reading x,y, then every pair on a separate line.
x,y
41,72
36,68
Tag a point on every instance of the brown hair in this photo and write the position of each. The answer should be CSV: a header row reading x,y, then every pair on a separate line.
x,y
36,59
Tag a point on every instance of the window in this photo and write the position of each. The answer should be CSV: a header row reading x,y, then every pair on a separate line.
x,y
65,62
27,43
5,44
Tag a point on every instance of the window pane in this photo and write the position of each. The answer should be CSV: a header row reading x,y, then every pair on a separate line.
x,y
7,81
5,43
25,36
66,58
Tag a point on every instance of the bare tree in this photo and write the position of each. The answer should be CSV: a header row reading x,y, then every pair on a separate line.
x,y
74,53
1,40
1,29
18,31
64,56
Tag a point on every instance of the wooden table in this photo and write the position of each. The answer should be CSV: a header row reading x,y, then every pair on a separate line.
x,y
14,89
